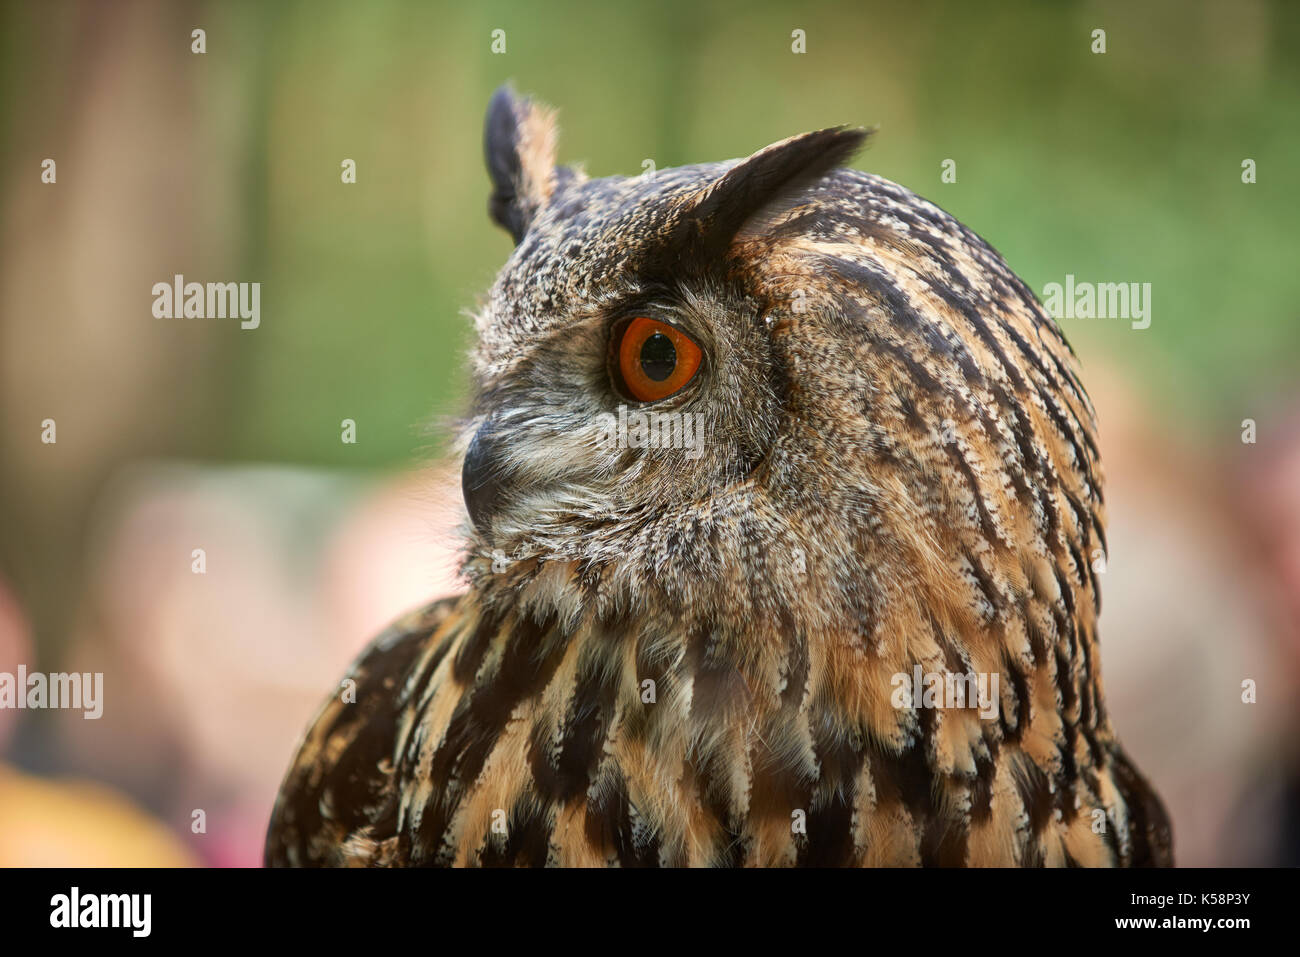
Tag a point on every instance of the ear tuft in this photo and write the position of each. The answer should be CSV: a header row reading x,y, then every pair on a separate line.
x,y
519,144
706,229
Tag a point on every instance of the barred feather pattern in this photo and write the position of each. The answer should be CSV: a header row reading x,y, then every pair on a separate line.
x,y
687,664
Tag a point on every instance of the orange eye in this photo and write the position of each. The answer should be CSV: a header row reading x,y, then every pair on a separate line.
x,y
655,360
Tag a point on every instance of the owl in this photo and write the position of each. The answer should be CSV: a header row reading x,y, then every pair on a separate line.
x,y
785,533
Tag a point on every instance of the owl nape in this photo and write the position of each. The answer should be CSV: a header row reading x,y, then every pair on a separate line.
x,y
852,622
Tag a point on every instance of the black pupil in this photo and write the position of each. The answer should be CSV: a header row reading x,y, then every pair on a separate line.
x,y
658,357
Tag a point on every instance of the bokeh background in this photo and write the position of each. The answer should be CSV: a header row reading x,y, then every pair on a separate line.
x,y
174,435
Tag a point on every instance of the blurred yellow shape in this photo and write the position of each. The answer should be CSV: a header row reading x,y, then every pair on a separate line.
x,y
70,823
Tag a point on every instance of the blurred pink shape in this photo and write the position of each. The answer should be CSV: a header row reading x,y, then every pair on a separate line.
x,y
1185,620
15,649
211,677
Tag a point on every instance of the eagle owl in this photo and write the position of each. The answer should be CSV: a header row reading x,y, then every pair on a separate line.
x,y
853,623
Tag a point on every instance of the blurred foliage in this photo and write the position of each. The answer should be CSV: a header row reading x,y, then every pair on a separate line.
x,y
1116,167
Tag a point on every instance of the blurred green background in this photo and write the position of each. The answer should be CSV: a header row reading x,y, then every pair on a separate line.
x,y
1119,167
225,166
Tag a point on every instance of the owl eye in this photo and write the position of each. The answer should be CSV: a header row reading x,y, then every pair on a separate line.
x,y
654,360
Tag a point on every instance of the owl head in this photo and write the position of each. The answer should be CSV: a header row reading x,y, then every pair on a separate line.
x,y
771,390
